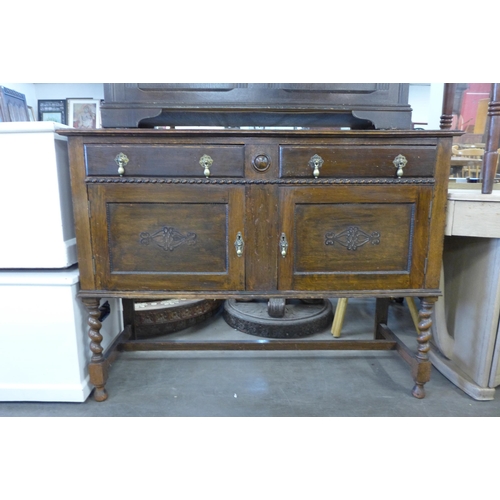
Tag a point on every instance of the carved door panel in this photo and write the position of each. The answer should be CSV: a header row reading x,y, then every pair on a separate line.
x,y
162,237
354,237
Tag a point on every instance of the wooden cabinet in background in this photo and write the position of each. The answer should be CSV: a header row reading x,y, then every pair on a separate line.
x,y
355,105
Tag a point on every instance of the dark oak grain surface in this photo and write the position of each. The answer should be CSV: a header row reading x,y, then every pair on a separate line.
x,y
260,224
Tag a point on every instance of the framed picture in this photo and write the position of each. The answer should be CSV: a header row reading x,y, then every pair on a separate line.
x,y
84,113
52,110
13,107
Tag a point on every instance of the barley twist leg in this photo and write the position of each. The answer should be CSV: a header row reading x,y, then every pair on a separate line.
x,y
422,367
97,366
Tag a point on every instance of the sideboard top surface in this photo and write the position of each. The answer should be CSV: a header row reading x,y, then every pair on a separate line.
x,y
297,133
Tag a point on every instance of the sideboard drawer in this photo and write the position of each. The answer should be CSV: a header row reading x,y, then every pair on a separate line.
x,y
359,161
165,160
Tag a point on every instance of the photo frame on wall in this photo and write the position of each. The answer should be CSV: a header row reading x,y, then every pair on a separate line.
x,y
52,110
84,113
13,107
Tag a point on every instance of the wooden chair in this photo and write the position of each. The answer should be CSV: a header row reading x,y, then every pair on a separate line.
x,y
338,319
472,158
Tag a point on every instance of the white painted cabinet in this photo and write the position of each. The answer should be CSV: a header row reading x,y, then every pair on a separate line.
x,y
36,221
43,330
43,334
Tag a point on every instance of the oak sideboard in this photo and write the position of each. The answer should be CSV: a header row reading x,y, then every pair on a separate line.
x,y
267,214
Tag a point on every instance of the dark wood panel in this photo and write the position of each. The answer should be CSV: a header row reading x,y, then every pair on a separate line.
x,y
366,105
260,345
350,88
359,161
176,240
158,294
438,216
81,214
165,160
263,238
354,237
167,237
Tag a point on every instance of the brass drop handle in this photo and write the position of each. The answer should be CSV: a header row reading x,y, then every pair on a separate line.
x,y
121,160
283,245
239,244
316,162
400,162
206,162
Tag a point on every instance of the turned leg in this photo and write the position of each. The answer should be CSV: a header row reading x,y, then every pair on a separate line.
x,y
381,315
98,366
422,367
129,316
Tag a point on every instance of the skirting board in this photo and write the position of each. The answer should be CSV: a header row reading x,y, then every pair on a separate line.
x,y
69,393
459,378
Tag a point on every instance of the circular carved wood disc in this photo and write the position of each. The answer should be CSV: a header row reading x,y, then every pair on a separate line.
x,y
300,319
164,316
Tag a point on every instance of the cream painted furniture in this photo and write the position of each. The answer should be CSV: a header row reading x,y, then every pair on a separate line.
x,y
43,334
36,225
466,335
43,327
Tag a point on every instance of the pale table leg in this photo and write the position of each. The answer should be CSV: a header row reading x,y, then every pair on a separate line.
x,y
338,319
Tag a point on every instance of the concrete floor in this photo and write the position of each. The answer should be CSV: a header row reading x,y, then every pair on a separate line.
x,y
271,384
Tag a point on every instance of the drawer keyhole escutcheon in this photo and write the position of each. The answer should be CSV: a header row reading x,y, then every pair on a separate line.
x,y
316,162
206,162
283,245
400,162
261,163
121,160
239,244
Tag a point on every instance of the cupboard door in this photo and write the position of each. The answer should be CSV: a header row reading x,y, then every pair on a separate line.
x,y
354,237
167,237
